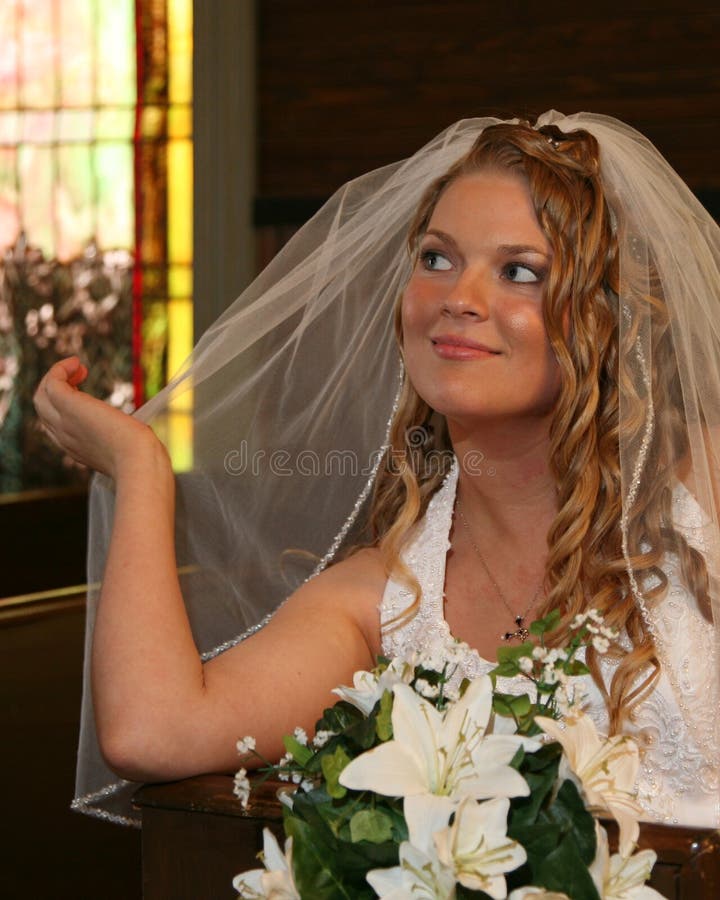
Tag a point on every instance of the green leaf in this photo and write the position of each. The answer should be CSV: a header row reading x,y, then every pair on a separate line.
x,y
383,720
363,733
339,717
569,811
300,752
576,667
540,771
514,653
510,705
346,862
563,870
371,825
507,669
541,626
332,766
313,862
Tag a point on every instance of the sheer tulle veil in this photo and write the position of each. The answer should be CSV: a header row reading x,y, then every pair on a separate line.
x,y
294,387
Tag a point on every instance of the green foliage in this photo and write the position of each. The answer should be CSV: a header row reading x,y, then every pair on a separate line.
x,y
541,627
383,721
332,765
371,825
300,752
554,827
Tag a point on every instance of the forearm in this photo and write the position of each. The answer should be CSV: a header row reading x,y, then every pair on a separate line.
x,y
146,672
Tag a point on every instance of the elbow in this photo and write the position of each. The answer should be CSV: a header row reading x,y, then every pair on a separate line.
x,y
136,752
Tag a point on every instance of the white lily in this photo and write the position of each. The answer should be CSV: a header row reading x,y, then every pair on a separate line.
x,y
368,687
421,875
445,753
607,769
619,877
275,881
476,846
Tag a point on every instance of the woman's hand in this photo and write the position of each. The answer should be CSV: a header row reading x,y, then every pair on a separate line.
x,y
91,431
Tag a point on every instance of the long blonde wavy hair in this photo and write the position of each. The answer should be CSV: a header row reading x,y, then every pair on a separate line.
x,y
585,566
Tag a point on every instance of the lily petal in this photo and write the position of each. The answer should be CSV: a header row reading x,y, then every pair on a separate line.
x,y
391,769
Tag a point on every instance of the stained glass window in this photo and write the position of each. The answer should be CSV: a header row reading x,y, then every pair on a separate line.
x,y
95,209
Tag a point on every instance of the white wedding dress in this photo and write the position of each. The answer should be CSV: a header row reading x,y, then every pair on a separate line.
x,y
679,781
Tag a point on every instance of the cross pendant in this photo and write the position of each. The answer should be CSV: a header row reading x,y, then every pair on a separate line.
x,y
522,633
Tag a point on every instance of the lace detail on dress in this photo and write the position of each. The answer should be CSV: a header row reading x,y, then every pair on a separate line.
x,y
679,781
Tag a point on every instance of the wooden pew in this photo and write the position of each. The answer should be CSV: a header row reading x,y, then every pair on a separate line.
x,y
196,837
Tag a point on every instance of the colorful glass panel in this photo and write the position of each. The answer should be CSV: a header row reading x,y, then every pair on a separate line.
x,y
95,208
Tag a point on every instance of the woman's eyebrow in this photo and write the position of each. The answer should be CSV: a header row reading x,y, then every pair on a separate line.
x,y
512,249
444,236
505,249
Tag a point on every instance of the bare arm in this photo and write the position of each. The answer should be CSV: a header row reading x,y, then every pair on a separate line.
x,y
160,713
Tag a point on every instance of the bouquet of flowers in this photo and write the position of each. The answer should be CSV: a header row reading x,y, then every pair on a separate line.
x,y
418,784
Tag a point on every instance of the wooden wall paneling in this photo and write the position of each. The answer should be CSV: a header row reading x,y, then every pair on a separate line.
x,y
345,87
43,536
48,850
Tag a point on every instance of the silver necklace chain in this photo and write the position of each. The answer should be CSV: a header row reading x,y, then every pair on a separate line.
x,y
521,631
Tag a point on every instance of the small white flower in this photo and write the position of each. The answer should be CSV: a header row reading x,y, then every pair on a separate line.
x,y
322,737
525,664
539,652
285,796
241,787
368,688
246,745
570,697
283,762
550,674
601,644
275,881
455,652
423,687
300,736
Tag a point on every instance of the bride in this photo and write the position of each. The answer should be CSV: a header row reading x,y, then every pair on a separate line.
x,y
487,380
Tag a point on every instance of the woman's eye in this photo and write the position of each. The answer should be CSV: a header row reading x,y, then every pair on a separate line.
x,y
435,261
520,274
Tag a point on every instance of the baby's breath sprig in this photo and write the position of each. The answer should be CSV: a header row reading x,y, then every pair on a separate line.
x,y
552,671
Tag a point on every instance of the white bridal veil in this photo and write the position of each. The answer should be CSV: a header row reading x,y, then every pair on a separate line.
x,y
294,386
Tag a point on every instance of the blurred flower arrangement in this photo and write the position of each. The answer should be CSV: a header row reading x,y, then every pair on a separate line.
x,y
48,310
419,785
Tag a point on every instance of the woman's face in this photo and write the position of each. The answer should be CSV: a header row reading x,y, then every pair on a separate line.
x,y
474,340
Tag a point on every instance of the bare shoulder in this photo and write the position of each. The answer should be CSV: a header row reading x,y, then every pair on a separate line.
x,y
328,629
352,589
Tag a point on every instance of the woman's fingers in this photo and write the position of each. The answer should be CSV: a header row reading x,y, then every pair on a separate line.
x,y
88,429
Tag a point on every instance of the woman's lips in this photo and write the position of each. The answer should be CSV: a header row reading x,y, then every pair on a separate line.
x,y
449,346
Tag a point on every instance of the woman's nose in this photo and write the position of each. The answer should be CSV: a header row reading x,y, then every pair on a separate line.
x,y
469,296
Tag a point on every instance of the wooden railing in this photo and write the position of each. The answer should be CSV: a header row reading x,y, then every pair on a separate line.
x,y
196,837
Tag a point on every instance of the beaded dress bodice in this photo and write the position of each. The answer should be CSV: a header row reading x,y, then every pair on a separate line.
x,y
679,781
